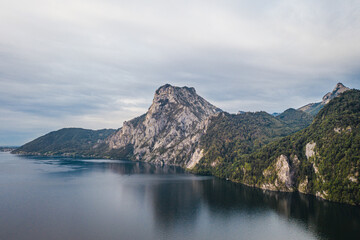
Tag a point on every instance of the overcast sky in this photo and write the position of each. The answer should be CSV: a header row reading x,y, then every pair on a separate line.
x,y
97,63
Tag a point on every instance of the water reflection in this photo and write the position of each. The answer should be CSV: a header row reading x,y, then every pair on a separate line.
x,y
168,202
179,199
172,202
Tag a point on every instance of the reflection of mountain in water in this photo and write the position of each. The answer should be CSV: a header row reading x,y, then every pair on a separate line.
x,y
141,168
179,198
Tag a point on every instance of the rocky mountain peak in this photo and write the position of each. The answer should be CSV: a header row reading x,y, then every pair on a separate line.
x,y
169,98
339,88
171,94
170,130
314,108
339,85
167,88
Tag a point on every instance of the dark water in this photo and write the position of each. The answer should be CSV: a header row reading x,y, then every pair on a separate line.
x,y
59,198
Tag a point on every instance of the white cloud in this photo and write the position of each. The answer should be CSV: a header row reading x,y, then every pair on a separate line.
x,y
95,63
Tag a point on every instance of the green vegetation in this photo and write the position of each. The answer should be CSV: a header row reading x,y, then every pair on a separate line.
x,y
231,136
66,141
295,119
246,148
314,109
332,173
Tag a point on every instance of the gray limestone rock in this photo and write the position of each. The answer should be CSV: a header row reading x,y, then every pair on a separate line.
x,y
170,131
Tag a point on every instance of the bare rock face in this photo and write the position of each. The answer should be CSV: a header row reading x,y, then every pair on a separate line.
x,y
309,149
170,131
303,186
284,171
310,152
339,88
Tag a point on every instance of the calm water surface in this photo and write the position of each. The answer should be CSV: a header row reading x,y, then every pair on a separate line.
x,y
62,198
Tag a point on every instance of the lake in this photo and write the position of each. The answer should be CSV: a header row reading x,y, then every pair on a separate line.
x,y
65,198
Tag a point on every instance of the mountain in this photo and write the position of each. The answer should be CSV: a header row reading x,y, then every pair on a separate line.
x,y
322,159
314,108
65,142
289,152
275,114
168,133
7,148
295,119
231,135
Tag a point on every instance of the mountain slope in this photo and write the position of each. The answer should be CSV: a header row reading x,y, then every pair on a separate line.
x,y
169,132
314,108
295,119
229,136
256,149
323,159
66,141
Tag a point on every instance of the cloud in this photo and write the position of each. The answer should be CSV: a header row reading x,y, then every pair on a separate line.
x,y
97,63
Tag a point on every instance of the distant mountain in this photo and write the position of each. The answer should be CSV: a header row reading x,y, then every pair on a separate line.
x,y
65,142
295,119
7,148
322,159
275,114
314,108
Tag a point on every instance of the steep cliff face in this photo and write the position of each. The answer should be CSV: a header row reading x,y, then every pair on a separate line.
x,y
170,131
281,175
314,108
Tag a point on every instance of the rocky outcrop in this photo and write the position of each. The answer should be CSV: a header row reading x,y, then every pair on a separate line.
x,y
314,108
303,186
195,159
310,153
170,131
339,88
309,149
340,130
284,172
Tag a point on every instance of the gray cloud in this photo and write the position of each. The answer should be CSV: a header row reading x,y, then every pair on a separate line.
x,y
97,63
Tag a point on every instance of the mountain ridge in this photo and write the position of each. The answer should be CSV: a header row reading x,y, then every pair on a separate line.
x,y
181,128
314,108
168,133
321,159
66,142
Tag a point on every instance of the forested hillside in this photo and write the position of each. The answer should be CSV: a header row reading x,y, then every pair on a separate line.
x,y
230,136
66,141
323,159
